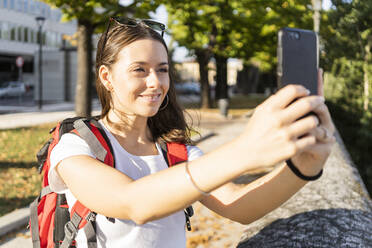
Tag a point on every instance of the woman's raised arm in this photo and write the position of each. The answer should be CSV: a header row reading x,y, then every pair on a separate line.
x,y
272,135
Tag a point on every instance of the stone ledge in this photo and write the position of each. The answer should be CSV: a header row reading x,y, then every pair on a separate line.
x,y
318,228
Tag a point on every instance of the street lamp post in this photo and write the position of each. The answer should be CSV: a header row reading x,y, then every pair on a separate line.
x,y
40,21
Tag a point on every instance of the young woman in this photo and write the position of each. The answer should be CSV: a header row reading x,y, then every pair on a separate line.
x,y
139,109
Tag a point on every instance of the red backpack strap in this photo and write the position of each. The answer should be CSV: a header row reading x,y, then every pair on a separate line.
x,y
176,153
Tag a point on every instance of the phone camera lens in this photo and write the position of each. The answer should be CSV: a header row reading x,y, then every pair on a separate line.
x,y
294,35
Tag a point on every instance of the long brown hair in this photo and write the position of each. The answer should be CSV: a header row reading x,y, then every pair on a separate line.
x,y
167,124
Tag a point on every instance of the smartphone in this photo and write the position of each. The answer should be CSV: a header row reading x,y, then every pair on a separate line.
x,y
298,58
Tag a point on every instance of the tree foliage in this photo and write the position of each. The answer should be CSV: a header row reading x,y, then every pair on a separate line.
x,y
348,29
348,43
243,29
347,55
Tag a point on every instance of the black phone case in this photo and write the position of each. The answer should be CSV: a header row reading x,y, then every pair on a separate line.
x,y
298,58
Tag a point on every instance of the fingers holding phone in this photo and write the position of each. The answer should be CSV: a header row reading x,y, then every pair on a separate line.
x,y
286,96
326,130
277,130
303,107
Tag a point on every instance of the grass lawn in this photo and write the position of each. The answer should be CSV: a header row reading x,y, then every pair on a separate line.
x,y
20,181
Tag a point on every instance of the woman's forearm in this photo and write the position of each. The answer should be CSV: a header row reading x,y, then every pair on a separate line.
x,y
250,202
170,190
153,196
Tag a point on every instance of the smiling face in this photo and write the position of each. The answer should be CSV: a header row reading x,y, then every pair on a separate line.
x,y
139,80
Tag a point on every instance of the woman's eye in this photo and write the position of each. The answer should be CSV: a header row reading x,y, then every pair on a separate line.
x,y
163,70
139,70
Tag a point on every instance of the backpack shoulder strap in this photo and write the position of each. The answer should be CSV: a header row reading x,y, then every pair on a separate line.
x,y
174,153
92,132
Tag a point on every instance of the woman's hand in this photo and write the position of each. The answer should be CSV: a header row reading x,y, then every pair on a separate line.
x,y
311,160
276,130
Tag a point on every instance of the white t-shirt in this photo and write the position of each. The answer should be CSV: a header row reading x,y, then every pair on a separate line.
x,y
163,233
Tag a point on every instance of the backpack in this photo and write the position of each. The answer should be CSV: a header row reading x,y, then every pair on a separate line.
x,y
52,225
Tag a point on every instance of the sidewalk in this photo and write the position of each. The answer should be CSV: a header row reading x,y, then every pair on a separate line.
x,y
31,116
45,108
27,107
215,131
25,116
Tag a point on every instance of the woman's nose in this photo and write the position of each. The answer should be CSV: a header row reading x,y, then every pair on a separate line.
x,y
153,80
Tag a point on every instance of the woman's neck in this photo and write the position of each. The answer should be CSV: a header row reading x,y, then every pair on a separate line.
x,y
131,127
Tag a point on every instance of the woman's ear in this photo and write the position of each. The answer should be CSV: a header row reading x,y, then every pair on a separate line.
x,y
105,77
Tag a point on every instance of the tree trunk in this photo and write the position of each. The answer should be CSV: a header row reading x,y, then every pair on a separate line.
x,y
367,55
221,77
317,7
83,95
202,57
253,77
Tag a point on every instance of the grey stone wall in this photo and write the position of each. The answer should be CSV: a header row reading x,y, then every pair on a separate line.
x,y
334,211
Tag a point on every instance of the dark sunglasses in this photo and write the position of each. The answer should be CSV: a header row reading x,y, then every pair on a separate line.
x,y
123,21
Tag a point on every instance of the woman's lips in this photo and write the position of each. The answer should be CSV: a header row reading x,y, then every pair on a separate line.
x,y
151,97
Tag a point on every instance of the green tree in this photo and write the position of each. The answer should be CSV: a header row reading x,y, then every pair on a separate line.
x,y
255,27
91,15
347,55
349,35
206,29
189,25
244,29
265,22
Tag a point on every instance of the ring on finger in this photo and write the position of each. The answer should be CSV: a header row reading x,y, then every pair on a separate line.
x,y
325,133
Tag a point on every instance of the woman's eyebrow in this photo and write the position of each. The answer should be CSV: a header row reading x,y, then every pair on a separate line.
x,y
144,63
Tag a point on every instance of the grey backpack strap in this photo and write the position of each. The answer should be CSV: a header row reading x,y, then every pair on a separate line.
x,y
34,224
90,232
34,221
89,137
44,191
71,229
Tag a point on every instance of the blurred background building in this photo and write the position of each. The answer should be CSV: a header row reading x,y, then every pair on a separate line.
x,y
189,71
19,37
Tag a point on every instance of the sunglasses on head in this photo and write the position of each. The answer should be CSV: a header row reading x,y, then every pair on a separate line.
x,y
123,21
